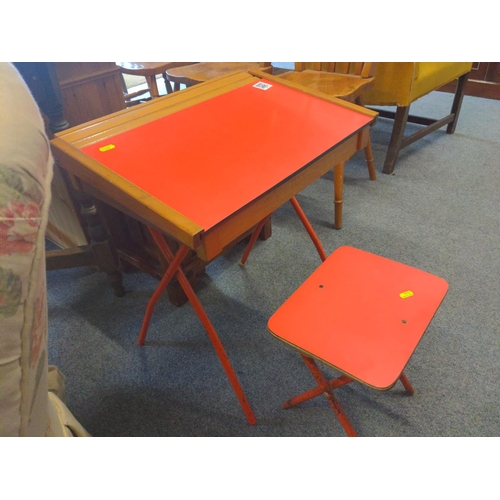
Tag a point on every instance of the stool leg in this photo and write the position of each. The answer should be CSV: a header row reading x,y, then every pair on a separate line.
x,y
327,391
406,384
316,391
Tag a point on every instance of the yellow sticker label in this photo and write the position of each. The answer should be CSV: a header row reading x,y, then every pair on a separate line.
x,y
107,148
405,295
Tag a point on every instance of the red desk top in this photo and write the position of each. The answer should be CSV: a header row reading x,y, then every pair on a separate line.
x,y
211,159
361,313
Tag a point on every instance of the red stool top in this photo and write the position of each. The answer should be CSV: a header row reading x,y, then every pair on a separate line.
x,y
360,313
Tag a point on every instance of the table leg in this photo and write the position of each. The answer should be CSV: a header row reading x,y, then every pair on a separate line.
x,y
175,268
167,277
309,229
253,239
305,222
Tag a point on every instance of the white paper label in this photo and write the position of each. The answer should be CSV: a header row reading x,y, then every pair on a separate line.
x,y
262,86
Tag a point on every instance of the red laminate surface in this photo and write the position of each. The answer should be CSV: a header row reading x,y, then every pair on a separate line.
x,y
211,159
349,313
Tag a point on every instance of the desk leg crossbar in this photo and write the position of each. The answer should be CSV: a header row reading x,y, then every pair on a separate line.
x,y
327,387
173,269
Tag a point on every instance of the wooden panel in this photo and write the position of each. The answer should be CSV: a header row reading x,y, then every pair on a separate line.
x,y
484,81
90,90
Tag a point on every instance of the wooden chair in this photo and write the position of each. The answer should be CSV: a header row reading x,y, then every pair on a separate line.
x,y
400,84
346,81
148,70
362,315
203,71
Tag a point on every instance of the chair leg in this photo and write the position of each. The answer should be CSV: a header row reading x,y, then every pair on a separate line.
x,y
338,188
153,86
457,102
368,149
168,85
397,135
370,161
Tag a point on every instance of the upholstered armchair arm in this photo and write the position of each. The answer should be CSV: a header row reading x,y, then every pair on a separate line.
x,y
393,84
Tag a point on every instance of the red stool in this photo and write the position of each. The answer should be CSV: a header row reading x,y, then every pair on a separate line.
x,y
361,314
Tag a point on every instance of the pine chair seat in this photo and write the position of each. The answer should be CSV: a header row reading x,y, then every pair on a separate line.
x,y
203,71
348,87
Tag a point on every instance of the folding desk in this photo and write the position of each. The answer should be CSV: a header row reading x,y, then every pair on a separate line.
x,y
207,164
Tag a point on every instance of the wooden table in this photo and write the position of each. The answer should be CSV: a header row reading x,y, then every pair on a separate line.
x,y
207,164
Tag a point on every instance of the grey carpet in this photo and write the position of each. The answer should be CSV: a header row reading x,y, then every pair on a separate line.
x,y
438,212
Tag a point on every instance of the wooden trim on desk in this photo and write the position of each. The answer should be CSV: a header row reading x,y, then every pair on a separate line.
x,y
127,194
130,118
124,194
222,235
334,100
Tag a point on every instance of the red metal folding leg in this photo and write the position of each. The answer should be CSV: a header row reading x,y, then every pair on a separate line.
x,y
316,391
253,239
169,274
173,268
406,384
309,229
324,387
305,222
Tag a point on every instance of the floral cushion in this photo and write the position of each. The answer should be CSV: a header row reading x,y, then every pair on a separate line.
x,y
25,175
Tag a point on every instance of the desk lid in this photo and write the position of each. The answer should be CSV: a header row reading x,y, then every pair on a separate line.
x,y
209,160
